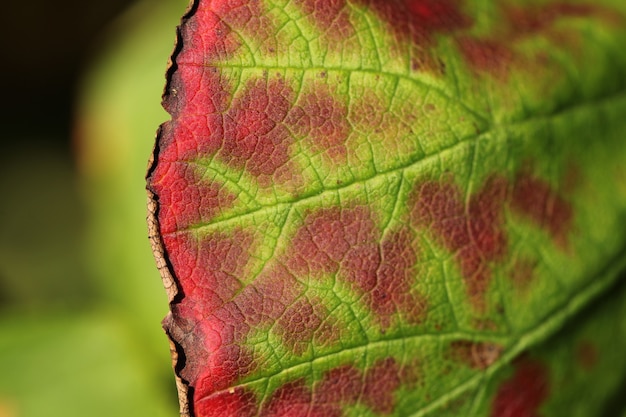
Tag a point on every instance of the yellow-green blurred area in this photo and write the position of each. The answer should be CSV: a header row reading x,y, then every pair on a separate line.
x,y
80,298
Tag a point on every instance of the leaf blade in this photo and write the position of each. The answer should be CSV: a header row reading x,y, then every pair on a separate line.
x,y
315,209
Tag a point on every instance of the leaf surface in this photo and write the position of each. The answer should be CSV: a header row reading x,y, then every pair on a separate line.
x,y
376,207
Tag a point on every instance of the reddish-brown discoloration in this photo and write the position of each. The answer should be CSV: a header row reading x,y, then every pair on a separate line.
x,y
246,19
249,133
221,367
538,201
475,235
292,399
369,113
245,15
252,132
328,235
486,228
218,311
393,293
186,199
305,321
347,241
329,16
207,37
255,137
381,381
522,394
321,119
236,402
486,55
198,98
339,387
474,231
477,355
212,267
342,385
419,20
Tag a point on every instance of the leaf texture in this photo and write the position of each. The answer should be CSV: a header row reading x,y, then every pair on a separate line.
x,y
367,207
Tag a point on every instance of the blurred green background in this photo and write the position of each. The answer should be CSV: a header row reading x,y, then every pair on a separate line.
x,y
80,298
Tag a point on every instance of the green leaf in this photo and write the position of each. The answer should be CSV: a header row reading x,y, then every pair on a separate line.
x,y
61,365
388,207
118,107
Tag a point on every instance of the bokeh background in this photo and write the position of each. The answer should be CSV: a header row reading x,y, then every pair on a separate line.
x,y
80,298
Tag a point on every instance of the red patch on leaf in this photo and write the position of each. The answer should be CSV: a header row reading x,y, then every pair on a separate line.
x,y
185,198
292,399
486,55
218,312
380,383
347,241
326,238
339,387
523,393
207,36
197,98
330,16
212,268
305,321
236,402
252,133
248,134
342,385
538,201
395,275
419,21
322,120
474,234
255,137
246,16
215,30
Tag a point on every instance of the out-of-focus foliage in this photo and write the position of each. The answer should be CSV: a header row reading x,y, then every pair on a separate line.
x,y
81,311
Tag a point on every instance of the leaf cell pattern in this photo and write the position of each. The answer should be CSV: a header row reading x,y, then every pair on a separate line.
x,y
365,207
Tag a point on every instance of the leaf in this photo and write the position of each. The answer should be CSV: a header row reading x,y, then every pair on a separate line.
x,y
59,365
390,207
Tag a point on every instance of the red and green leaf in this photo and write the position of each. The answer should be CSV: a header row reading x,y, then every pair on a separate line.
x,y
367,207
